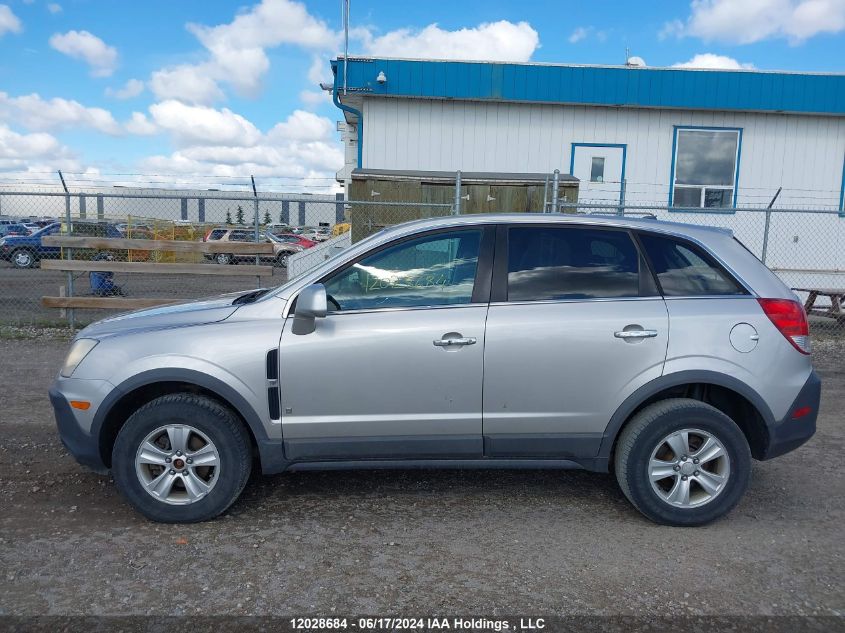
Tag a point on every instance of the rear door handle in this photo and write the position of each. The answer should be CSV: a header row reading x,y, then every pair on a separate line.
x,y
449,342
635,334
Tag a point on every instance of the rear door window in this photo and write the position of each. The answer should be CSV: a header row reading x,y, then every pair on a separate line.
x,y
548,263
216,234
685,270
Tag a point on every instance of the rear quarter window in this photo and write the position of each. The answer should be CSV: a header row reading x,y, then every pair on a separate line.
x,y
685,270
216,234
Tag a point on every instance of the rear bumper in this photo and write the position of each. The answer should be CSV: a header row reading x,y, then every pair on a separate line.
x,y
791,432
80,444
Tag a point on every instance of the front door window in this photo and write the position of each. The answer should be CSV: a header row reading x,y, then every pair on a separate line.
x,y
434,270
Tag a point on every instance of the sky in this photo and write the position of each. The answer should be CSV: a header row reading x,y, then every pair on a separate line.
x,y
205,93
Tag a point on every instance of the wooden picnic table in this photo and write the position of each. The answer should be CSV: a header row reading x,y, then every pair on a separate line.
x,y
837,298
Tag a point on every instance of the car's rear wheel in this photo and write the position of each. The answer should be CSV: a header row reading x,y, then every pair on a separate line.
x,y
223,259
682,462
282,260
181,458
23,258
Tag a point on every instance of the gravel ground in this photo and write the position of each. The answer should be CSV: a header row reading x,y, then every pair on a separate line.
x,y
473,542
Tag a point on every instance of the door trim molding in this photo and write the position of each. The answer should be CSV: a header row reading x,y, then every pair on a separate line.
x,y
622,146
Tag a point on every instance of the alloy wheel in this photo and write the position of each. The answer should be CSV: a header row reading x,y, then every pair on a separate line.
x,y
689,468
177,464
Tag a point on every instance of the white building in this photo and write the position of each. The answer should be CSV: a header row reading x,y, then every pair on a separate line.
x,y
718,140
674,136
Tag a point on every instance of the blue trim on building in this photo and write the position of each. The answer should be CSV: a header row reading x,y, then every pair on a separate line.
x,y
619,86
623,146
675,130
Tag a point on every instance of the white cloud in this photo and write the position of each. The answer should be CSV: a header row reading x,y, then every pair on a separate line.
x,y
129,90
302,126
302,146
201,125
37,152
189,83
713,61
9,22
140,125
83,45
39,114
54,8
315,98
496,41
750,21
236,51
578,34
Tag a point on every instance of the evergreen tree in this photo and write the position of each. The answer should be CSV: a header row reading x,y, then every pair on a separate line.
x,y
240,215
267,218
228,216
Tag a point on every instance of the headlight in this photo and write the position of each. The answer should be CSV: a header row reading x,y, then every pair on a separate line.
x,y
78,351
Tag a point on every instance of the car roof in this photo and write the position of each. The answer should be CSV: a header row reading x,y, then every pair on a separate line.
x,y
701,232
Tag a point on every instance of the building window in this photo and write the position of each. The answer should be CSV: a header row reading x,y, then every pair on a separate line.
x,y
597,169
705,167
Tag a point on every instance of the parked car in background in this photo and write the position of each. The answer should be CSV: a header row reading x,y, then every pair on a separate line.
x,y
299,240
32,227
663,353
130,230
25,251
320,235
277,227
281,249
14,229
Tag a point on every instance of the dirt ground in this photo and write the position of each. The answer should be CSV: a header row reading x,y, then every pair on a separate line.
x,y
474,542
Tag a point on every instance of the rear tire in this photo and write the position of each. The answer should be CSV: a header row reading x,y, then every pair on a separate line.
x,y
698,486
167,481
224,259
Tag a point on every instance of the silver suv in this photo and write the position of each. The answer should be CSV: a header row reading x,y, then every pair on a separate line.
x,y
665,353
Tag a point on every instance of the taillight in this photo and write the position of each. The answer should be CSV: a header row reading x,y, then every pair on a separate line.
x,y
790,319
205,239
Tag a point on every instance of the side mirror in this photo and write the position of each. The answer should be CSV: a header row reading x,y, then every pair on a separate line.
x,y
311,304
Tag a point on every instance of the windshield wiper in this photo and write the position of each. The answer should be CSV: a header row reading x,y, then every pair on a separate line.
x,y
250,297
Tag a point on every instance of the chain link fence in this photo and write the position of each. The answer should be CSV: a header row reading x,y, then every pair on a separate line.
x,y
805,247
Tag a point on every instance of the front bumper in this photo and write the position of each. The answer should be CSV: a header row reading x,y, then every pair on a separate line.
x,y
80,444
791,432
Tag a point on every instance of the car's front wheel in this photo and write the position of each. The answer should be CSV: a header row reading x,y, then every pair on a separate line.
x,y
23,258
682,462
181,458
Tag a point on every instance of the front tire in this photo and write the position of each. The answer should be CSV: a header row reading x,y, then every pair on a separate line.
x,y
181,458
23,258
682,462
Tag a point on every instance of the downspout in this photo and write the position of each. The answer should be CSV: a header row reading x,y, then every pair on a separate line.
x,y
357,113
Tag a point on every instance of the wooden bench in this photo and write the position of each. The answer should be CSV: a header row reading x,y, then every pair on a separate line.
x,y
129,244
837,298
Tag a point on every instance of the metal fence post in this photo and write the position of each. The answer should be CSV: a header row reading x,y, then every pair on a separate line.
x,y
621,210
255,205
456,210
546,195
555,188
768,224
71,316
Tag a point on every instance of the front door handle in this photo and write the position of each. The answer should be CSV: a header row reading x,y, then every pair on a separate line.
x,y
635,334
449,342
